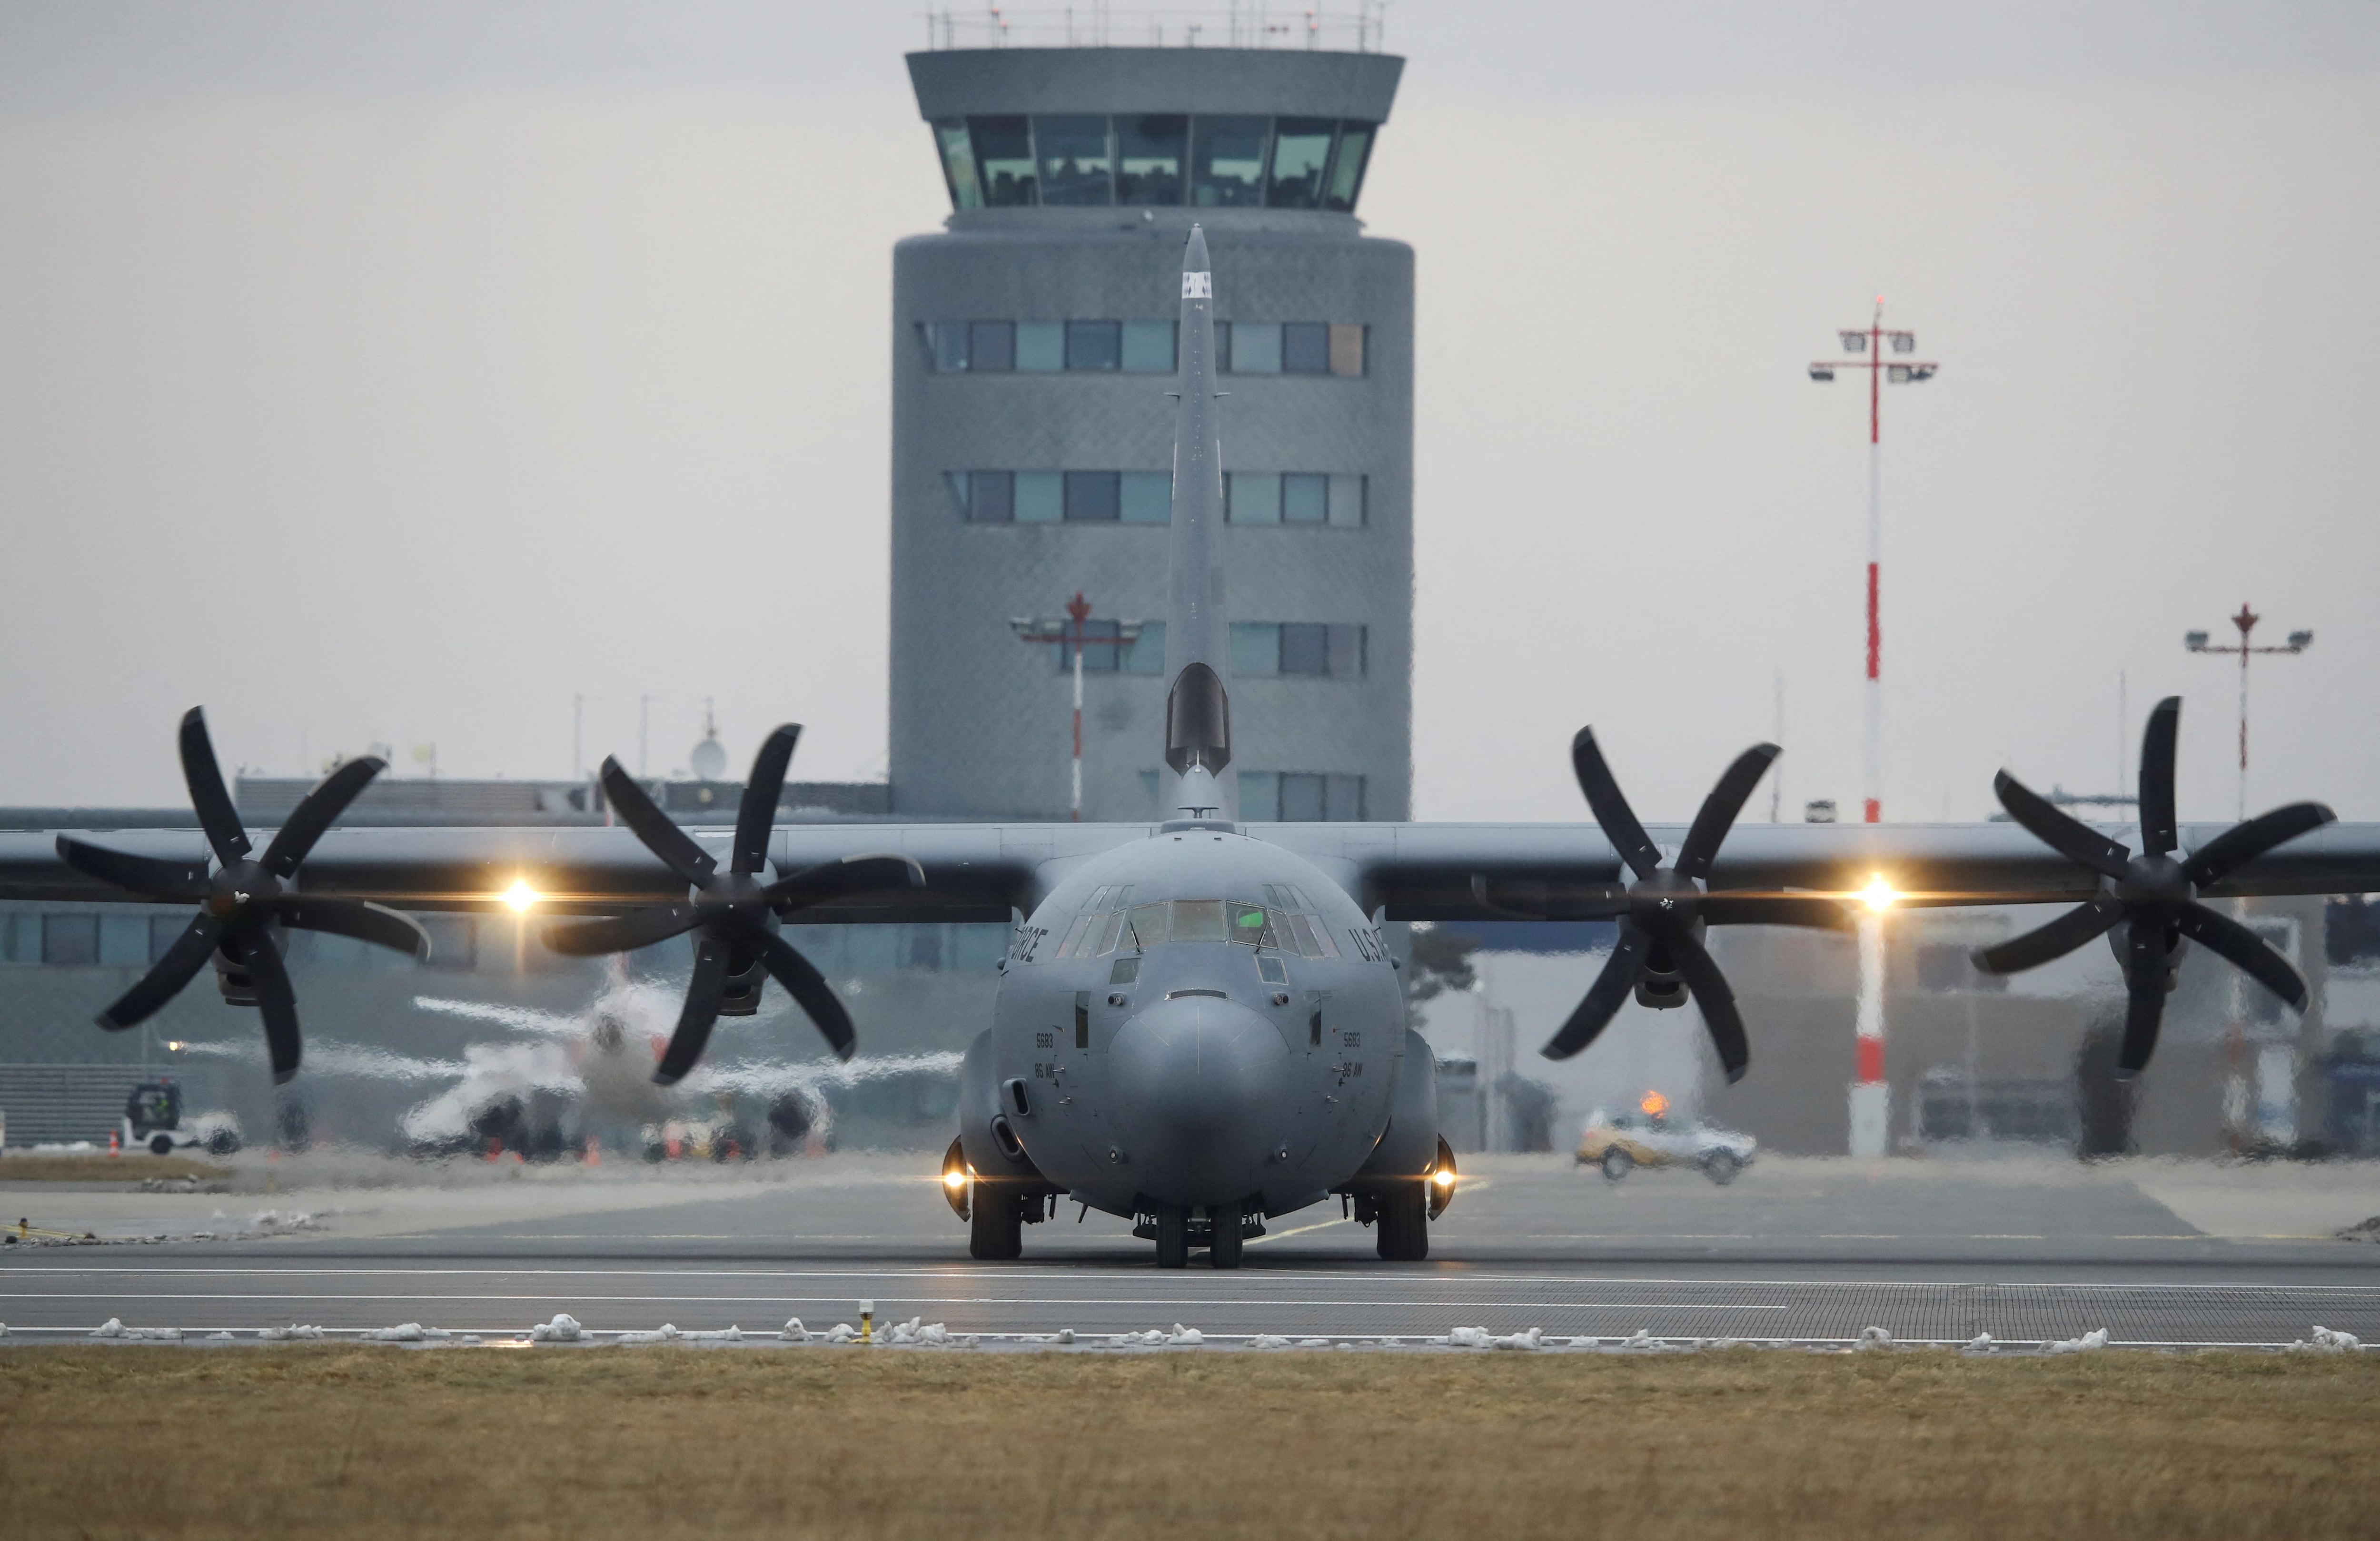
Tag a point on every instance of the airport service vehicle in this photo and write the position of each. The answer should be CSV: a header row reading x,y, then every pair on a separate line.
x,y
1197,1025
152,1116
1621,1143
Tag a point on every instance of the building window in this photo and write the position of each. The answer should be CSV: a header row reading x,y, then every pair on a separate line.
x,y
1092,497
163,931
1101,647
1094,345
1149,346
1301,152
71,939
1003,158
990,348
1300,797
1040,497
989,497
1263,649
1076,165
1040,347
1146,654
958,162
1347,167
1347,349
1146,498
124,940
1227,162
1293,498
1250,347
1150,148
1304,348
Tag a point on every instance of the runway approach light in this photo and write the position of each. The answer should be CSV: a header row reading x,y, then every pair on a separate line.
x,y
521,897
1878,895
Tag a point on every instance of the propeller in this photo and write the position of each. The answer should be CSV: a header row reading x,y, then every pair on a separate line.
x,y
2152,895
1663,913
245,898
732,914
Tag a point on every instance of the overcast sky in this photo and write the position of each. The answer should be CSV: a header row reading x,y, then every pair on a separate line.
x,y
394,372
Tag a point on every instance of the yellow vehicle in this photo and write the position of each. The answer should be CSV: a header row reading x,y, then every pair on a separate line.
x,y
1651,1137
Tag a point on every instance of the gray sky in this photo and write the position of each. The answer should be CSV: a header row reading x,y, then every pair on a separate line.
x,y
392,372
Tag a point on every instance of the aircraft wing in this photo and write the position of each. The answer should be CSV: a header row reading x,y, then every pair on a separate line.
x,y
1544,871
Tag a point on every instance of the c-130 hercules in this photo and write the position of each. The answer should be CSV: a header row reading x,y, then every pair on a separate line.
x,y
1197,1024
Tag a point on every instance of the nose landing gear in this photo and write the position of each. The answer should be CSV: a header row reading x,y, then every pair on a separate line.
x,y
1223,1230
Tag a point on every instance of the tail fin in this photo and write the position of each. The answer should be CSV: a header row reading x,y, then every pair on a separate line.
x,y
1197,632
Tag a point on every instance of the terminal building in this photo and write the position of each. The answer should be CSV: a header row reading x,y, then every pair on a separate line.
x,y
1033,348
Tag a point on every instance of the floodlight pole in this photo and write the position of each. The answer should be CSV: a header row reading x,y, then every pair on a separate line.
x,y
1871,341
2246,621
1071,631
1871,1095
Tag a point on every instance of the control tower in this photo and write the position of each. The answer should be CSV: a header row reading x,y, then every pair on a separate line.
x,y
1033,350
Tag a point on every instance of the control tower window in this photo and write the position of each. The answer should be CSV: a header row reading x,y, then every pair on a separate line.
x,y
1004,157
991,347
1149,151
1347,170
1301,150
1149,346
1227,162
1093,497
958,162
1251,348
1076,164
1304,348
1094,345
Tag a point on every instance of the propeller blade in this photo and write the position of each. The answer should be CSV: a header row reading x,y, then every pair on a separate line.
x,y
376,924
1610,809
2158,835
2059,831
757,814
622,933
1719,809
703,993
204,778
812,993
662,838
2220,933
166,976
1782,909
317,811
1534,899
838,879
1605,997
2060,937
2244,842
276,1001
145,876
2145,992
1709,988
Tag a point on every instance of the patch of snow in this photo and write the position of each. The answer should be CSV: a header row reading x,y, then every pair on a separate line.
x,y
723,1334
1314,1343
917,1332
2326,1342
1066,1335
1641,1338
113,1328
563,1328
1185,1337
289,1334
2096,1338
1530,1341
404,1332
1267,1340
842,1332
793,1331
667,1334
1873,1337
1149,1339
221,1338
1467,1337
1980,1344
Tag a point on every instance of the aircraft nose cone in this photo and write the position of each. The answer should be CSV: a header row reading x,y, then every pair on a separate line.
x,y
1197,1079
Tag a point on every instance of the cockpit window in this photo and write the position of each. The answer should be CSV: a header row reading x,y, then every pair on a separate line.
x,y
1098,934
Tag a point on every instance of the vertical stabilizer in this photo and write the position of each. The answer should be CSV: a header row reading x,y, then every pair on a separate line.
x,y
1197,632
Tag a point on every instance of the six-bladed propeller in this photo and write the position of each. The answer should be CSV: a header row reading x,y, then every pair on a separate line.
x,y
732,914
1662,915
244,899
2152,895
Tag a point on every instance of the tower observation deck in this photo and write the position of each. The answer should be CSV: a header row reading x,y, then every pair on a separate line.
x,y
1034,347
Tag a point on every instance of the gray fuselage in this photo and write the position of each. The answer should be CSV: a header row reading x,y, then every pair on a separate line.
x,y
1251,1053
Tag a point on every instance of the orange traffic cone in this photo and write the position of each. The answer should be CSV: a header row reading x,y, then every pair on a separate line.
x,y
594,1152
116,1142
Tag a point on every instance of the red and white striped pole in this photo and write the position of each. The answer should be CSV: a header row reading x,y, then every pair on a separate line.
x,y
1079,609
1872,758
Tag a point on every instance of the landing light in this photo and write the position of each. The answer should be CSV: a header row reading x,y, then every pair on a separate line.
x,y
1878,895
1443,1178
954,1178
521,897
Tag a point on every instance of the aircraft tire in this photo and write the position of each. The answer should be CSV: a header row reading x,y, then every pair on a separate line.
x,y
1404,1225
995,1230
1172,1236
1722,1167
160,1144
1618,1163
1224,1249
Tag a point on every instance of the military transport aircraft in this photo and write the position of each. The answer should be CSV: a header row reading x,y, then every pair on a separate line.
x,y
1197,1025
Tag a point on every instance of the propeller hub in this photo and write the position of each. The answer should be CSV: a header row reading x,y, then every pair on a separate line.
x,y
1664,899
232,889
736,901
2154,882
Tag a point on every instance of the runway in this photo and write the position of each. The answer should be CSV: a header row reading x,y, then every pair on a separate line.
x,y
1807,1251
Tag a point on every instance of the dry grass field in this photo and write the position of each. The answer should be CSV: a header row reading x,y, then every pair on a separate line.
x,y
338,1441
